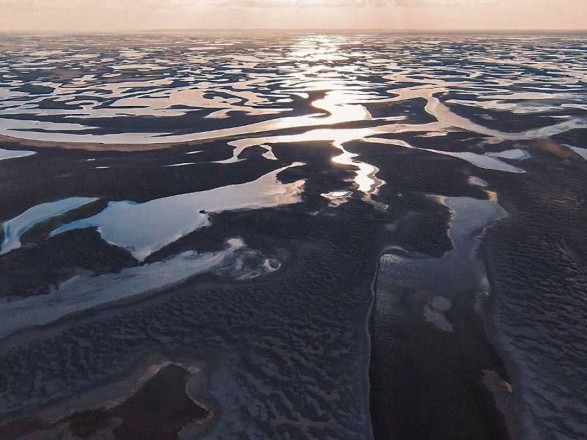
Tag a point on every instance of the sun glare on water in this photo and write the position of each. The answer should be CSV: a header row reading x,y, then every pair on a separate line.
x,y
321,67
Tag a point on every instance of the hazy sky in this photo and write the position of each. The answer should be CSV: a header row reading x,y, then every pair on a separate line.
x,y
112,15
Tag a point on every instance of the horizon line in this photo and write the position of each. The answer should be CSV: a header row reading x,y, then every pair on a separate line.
x,y
288,30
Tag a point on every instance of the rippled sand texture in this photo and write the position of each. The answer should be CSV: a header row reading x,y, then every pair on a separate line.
x,y
293,237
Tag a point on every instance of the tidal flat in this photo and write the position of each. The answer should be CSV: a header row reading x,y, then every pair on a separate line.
x,y
293,236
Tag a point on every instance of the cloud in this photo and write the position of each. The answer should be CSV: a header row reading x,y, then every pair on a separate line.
x,y
92,15
354,3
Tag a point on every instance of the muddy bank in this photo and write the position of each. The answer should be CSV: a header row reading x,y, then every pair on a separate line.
x,y
537,259
287,348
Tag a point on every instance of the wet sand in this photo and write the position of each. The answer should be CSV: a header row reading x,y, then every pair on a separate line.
x,y
472,379
13,142
159,410
316,302
430,353
536,260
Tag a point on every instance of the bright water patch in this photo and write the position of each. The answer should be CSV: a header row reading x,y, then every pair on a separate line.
x,y
86,291
580,151
16,227
483,161
12,154
457,271
515,154
144,228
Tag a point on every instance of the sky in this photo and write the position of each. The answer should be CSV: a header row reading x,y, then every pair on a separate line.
x,y
128,15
